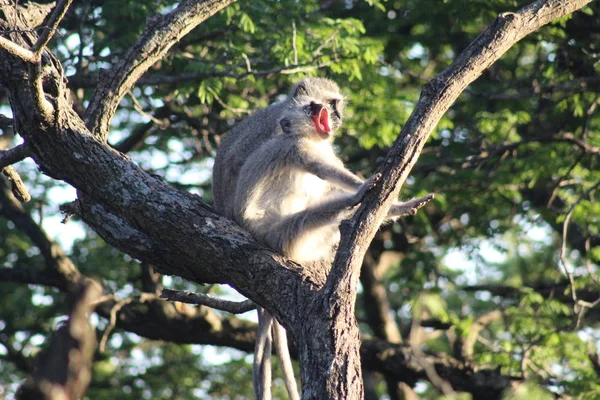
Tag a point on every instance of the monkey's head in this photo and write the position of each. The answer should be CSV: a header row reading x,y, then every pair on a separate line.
x,y
311,120
322,101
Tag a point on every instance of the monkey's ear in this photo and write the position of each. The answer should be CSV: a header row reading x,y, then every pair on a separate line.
x,y
286,125
300,90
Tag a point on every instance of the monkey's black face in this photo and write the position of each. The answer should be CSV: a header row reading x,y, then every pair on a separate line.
x,y
321,92
334,105
336,110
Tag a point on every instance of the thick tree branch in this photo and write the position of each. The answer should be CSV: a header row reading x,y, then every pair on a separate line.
x,y
65,370
163,321
162,32
437,96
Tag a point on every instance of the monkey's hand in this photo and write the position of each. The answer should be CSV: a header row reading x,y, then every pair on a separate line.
x,y
364,188
409,207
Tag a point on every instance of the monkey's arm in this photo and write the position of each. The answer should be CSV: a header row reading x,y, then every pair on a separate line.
x,y
338,176
347,181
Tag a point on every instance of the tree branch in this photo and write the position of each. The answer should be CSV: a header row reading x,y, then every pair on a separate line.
x,y
50,27
162,32
437,96
65,370
17,187
234,307
177,232
55,258
19,51
14,155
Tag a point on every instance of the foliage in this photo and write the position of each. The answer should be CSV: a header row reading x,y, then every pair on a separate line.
x,y
516,155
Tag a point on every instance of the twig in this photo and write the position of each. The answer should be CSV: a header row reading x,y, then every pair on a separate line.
x,y
560,180
115,309
329,39
229,73
569,137
234,307
248,65
579,306
310,67
138,107
70,209
224,105
57,15
17,187
19,51
294,46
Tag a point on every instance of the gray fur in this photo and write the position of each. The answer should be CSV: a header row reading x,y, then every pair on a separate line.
x,y
293,191
247,136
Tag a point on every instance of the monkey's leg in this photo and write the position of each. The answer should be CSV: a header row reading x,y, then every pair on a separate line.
x,y
409,207
289,230
285,234
261,372
285,362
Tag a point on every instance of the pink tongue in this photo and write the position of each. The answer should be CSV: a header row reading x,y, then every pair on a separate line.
x,y
324,120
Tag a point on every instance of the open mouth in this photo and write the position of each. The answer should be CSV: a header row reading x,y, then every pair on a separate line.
x,y
321,121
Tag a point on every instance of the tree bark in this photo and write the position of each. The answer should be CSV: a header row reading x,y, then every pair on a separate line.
x,y
180,235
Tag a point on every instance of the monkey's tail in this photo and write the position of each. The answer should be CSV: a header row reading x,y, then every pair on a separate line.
x,y
283,354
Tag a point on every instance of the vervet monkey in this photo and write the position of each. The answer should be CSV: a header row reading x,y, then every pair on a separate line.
x,y
277,175
239,144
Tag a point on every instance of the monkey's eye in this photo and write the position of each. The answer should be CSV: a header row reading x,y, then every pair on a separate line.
x,y
286,124
313,109
333,103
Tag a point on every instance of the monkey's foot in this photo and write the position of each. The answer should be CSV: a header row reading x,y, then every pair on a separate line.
x,y
409,207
